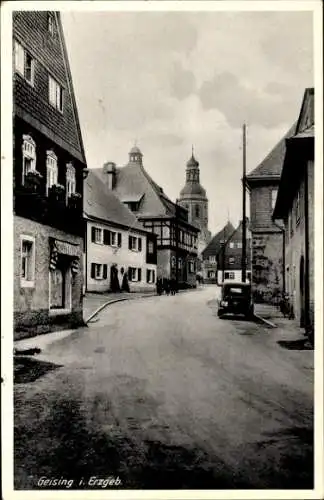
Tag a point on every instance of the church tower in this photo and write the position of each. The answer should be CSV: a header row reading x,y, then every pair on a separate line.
x,y
193,198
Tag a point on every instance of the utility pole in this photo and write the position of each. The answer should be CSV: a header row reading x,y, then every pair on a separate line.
x,y
223,256
177,244
244,208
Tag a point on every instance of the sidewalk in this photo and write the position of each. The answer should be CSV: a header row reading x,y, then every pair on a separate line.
x,y
286,329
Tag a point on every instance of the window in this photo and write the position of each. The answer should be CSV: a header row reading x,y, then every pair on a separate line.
x,y
231,260
212,259
273,197
29,156
55,94
70,180
150,276
179,263
134,274
197,211
173,261
232,244
150,247
191,266
297,207
211,274
135,244
239,244
229,276
51,169
24,63
97,235
98,271
50,24
27,266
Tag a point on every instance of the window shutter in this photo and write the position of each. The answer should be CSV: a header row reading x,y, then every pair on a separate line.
x,y
119,239
93,270
93,232
139,275
139,244
130,273
106,237
104,275
147,276
153,272
129,242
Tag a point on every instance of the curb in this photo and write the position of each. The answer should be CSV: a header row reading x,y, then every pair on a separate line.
x,y
113,301
40,341
265,321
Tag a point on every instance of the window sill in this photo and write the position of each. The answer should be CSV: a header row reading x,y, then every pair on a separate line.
x,y
27,284
58,312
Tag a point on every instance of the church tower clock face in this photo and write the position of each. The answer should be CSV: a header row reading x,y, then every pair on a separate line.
x,y
193,198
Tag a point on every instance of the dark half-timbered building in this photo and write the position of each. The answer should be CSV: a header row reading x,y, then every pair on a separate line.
x,y
48,169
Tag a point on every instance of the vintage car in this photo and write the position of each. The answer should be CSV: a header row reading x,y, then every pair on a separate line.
x,y
236,298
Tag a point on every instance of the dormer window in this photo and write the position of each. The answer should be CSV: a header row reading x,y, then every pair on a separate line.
x,y
70,180
29,156
51,169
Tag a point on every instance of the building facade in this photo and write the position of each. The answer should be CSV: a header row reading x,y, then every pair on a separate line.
x,y
116,244
210,255
48,170
295,206
177,239
267,234
223,256
193,198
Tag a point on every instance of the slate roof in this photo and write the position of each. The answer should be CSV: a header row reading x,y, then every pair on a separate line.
x,y
214,245
133,182
101,203
272,164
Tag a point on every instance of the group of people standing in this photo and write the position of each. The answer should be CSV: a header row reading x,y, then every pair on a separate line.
x,y
167,286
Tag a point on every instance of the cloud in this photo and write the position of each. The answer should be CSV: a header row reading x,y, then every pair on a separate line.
x,y
240,103
182,81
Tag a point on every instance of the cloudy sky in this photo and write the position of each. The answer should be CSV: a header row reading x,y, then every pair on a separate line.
x,y
172,79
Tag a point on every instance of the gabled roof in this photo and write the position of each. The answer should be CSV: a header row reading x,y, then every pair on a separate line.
x,y
294,163
101,203
214,245
271,166
133,182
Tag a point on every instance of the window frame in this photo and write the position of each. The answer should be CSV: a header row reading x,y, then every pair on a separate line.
x,y
21,55
273,198
28,282
51,168
98,230
70,180
28,153
53,87
231,260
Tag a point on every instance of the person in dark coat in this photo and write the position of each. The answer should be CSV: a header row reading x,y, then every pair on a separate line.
x,y
167,286
173,286
159,286
114,282
125,284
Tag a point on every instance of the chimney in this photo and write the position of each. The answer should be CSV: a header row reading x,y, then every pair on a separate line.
x,y
109,169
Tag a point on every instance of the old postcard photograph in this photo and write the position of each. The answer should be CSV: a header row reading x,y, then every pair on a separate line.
x,y
162,264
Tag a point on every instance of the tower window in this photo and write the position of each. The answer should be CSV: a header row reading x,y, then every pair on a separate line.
x,y
197,211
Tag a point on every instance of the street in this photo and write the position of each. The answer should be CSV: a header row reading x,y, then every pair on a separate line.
x,y
163,394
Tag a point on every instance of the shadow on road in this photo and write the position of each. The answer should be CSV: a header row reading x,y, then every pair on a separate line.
x,y
27,369
295,345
